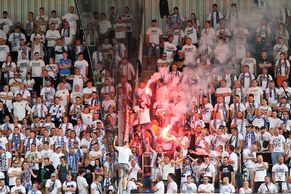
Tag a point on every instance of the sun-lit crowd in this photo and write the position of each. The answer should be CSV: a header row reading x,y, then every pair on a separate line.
x,y
215,116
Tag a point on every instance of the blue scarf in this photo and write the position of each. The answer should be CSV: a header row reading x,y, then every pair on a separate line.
x,y
15,142
253,139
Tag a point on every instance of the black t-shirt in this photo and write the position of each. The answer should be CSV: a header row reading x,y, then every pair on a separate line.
x,y
226,171
264,61
88,176
48,170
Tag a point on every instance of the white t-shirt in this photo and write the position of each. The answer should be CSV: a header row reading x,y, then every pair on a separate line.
x,y
169,48
20,109
130,186
124,154
250,62
273,95
104,25
233,156
249,163
282,92
55,159
190,52
70,184
261,172
189,188
191,32
227,189
272,188
57,185
121,33
18,189
274,122
82,185
36,67
154,34
23,65
12,180
221,53
52,34
4,50
172,187
278,143
96,189
280,172
7,102
72,19
257,92
166,169
160,188
14,39
63,94
221,90
57,21
82,65
208,188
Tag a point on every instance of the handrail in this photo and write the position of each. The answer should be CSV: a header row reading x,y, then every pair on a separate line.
x,y
85,38
140,54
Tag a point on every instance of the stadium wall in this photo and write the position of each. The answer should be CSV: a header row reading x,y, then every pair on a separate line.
x,y
18,9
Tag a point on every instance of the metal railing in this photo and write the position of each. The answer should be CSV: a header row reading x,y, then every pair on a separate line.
x,y
84,41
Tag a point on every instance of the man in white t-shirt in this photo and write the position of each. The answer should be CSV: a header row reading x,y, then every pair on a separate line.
x,y
6,22
36,67
259,173
63,94
205,187
280,174
170,48
51,36
104,27
53,185
4,50
159,187
69,186
249,157
82,182
256,90
14,172
223,91
189,187
82,64
124,156
189,51
18,188
274,121
191,32
249,61
226,187
20,108
277,145
172,187
267,186
126,69
153,38
72,18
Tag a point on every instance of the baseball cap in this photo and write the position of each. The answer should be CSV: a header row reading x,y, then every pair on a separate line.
x,y
53,175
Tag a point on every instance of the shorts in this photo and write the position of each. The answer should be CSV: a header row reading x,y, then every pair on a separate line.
x,y
124,167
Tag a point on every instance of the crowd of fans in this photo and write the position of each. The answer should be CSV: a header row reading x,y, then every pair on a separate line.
x,y
61,123
57,118
215,116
